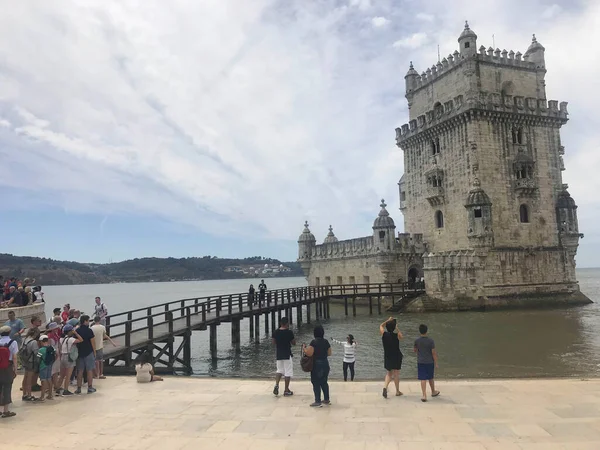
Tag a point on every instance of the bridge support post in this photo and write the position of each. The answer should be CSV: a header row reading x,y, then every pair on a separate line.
x,y
213,341
235,334
308,313
346,305
370,305
354,306
251,319
256,325
187,351
267,324
379,304
273,326
298,315
328,314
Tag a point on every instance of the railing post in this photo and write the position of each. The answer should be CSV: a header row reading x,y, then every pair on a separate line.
x,y
107,325
230,305
182,307
170,319
188,317
127,334
204,311
166,310
269,299
240,303
196,304
150,328
218,307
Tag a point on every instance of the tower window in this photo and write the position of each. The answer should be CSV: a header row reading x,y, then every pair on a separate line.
x,y
478,213
439,219
436,181
467,44
381,235
435,146
402,196
524,214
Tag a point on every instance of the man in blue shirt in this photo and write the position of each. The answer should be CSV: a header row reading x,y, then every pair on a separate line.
x,y
17,327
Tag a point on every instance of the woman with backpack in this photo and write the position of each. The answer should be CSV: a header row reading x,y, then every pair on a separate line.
x,y
69,354
8,369
27,355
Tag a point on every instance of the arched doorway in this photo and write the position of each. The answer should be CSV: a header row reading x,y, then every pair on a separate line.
x,y
414,275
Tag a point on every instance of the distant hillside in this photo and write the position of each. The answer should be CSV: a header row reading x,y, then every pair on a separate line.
x,y
48,271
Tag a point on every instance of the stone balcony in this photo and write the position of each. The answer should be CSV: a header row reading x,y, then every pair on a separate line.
x,y
435,195
525,186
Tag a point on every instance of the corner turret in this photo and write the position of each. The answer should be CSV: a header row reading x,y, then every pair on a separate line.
x,y
306,242
479,211
330,237
467,42
411,79
535,54
384,230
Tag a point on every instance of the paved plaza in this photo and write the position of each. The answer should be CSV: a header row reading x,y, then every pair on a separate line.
x,y
186,413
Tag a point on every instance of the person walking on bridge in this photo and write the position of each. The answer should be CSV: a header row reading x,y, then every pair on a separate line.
x,y
100,311
251,296
262,292
284,338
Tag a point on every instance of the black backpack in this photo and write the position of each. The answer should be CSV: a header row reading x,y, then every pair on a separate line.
x,y
50,356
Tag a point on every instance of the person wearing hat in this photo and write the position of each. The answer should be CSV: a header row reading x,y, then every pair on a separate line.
x,y
68,360
53,333
46,357
7,374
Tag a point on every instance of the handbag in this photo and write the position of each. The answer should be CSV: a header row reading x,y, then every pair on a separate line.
x,y
306,362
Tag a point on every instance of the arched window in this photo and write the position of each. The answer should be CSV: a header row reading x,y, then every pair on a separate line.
x,y
467,44
524,214
517,135
381,235
439,219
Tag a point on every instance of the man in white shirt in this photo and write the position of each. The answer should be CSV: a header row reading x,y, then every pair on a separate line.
x,y
100,335
100,311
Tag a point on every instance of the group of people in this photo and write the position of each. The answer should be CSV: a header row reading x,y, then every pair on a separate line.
x,y
16,293
262,293
319,350
67,350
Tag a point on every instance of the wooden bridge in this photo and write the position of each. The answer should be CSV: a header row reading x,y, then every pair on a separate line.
x,y
154,329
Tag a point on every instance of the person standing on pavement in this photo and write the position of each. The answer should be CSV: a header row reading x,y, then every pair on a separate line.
x,y
319,349
87,355
17,328
284,338
392,356
100,336
8,370
100,311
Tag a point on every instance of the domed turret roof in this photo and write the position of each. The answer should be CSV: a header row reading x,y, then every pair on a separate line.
x,y
535,45
383,219
565,200
411,71
477,196
330,236
467,33
306,235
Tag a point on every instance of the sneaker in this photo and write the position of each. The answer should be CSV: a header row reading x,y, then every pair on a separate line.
x,y
276,390
288,393
66,393
316,405
91,390
78,391
58,391
384,393
327,402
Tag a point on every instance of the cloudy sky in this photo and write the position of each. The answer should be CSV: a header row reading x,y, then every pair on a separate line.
x,y
186,128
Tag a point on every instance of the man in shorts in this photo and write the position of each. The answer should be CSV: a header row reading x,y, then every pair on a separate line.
x,y
427,361
100,335
87,355
284,338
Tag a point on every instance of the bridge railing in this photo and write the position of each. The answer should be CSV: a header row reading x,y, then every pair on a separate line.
x,y
152,317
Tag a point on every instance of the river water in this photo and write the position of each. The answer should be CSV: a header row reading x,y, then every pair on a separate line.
x,y
515,343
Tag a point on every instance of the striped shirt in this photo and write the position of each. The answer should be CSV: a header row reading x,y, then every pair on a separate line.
x,y
349,351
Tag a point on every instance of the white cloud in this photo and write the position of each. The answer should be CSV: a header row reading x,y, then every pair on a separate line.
x,y
361,4
379,21
551,12
412,42
425,17
4,123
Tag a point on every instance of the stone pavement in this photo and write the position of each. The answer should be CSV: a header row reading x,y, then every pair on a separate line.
x,y
187,413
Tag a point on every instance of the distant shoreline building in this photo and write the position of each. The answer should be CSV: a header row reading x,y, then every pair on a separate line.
x,y
488,221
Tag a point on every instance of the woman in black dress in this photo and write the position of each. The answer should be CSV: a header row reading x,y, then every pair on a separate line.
x,y
390,337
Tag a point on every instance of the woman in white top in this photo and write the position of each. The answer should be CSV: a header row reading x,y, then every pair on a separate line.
x,y
349,356
145,371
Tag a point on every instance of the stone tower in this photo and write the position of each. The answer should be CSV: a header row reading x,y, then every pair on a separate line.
x,y
483,179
